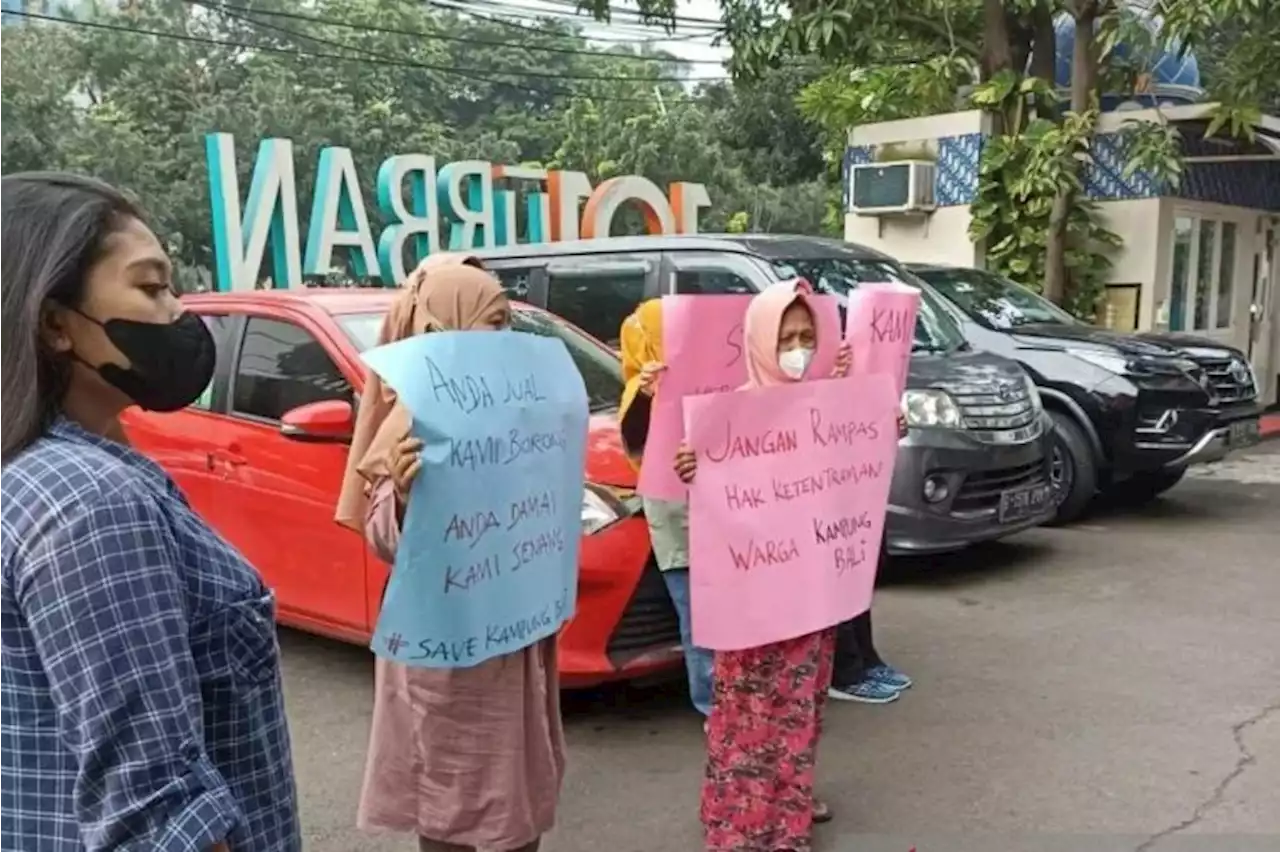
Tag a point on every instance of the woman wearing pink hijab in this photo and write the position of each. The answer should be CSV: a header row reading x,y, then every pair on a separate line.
x,y
763,731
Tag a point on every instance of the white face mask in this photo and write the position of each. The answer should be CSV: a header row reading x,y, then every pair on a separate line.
x,y
794,362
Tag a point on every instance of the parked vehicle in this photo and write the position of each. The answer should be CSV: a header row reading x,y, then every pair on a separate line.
x,y
262,455
1131,411
975,465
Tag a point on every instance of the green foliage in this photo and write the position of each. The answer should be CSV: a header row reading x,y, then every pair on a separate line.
x,y
133,108
1021,173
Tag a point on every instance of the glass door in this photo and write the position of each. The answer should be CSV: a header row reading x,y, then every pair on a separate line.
x,y
1264,311
1202,289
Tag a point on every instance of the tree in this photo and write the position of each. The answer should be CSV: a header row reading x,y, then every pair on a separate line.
x,y
130,98
914,57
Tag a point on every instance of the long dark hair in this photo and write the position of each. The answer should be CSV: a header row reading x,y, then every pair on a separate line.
x,y
52,230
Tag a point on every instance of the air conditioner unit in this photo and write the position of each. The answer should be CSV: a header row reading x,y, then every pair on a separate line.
x,y
880,189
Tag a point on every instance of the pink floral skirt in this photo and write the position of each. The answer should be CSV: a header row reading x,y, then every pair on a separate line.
x,y
762,741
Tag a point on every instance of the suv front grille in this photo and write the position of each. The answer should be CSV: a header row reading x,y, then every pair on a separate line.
x,y
980,491
1230,378
1001,412
649,622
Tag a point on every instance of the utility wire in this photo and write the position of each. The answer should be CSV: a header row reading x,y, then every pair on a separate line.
x,y
496,7
536,13
678,19
402,63
462,9
376,55
436,35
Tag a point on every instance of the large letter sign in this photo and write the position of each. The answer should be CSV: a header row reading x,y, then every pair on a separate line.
x,y
488,559
788,505
475,203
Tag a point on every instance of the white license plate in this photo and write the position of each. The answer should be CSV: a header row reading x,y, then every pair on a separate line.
x,y
1018,504
1242,433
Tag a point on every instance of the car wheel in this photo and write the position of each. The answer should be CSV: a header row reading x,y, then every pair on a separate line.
x,y
1072,471
1142,488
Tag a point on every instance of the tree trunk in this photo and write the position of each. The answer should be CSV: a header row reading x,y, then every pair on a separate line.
x,y
1084,75
1044,43
997,54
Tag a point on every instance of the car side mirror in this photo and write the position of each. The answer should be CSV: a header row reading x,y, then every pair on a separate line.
x,y
329,421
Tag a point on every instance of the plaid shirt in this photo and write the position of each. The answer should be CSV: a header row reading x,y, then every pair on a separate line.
x,y
142,704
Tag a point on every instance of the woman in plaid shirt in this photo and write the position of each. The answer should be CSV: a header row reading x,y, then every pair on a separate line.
x,y
142,699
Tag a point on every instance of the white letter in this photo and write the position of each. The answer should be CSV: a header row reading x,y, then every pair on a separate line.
x,y
470,214
416,219
566,190
686,200
338,217
597,218
239,243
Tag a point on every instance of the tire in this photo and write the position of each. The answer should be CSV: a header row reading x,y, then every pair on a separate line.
x,y
1074,469
1142,488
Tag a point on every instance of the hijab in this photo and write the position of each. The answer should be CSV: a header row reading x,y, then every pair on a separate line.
x,y
446,292
761,327
641,343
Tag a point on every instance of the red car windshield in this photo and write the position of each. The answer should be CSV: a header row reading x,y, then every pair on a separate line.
x,y
601,370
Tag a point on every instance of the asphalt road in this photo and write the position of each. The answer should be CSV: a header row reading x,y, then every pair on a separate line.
x,y
1115,686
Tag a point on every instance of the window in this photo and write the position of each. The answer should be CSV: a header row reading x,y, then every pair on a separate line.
x,y
1226,276
219,325
282,367
515,282
597,298
936,330
1204,273
1182,237
1202,285
601,370
995,302
697,282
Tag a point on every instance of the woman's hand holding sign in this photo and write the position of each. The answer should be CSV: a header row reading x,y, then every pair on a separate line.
x,y
404,462
649,376
686,464
844,361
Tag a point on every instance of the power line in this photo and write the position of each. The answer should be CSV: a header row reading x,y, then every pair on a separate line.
x,y
402,63
677,19
457,9
534,13
436,35
376,55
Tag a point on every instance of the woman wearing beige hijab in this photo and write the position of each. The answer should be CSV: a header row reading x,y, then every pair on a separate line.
x,y
469,758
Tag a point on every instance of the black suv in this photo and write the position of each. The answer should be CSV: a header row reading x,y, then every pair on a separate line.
x,y
1132,411
975,466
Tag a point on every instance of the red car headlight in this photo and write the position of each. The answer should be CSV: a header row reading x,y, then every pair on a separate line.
x,y
601,509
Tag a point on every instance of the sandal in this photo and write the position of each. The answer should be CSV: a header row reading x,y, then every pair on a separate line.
x,y
822,812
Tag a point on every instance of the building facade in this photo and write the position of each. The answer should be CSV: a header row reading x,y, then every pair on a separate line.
x,y
1203,258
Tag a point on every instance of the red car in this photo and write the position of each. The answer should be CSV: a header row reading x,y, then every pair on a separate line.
x,y
261,456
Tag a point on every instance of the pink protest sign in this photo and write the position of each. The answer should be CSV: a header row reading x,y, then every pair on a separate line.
x,y
703,351
787,509
880,326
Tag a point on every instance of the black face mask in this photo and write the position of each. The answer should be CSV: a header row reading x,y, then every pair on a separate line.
x,y
172,362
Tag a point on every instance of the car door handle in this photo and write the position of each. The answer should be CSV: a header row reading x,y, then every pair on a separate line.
x,y
229,458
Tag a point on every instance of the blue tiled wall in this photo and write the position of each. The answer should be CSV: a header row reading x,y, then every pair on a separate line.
x,y
1243,184
956,178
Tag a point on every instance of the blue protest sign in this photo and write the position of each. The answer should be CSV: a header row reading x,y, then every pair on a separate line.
x,y
488,556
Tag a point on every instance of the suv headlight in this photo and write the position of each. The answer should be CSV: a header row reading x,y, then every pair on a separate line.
x,y
1109,361
931,407
1033,393
599,509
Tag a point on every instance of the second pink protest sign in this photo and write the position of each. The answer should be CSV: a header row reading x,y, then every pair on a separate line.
x,y
702,348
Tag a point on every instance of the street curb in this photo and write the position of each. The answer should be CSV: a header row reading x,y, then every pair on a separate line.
x,y
1269,426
